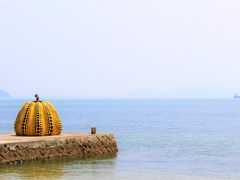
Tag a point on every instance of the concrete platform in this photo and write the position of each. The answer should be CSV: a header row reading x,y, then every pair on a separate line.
x,y
15,149
11,138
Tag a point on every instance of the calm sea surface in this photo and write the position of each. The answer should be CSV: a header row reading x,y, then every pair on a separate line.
x,y
157,139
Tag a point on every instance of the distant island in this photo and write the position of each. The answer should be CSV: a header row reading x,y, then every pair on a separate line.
x,y
4,95
236,96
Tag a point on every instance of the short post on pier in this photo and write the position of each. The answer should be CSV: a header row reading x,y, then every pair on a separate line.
x,y
93,130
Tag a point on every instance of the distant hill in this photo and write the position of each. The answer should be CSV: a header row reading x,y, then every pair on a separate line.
x,y
4,95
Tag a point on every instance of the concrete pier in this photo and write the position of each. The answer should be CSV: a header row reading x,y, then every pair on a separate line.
x,y
16,149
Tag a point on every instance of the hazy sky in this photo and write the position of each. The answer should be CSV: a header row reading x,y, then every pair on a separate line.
x,y
120,48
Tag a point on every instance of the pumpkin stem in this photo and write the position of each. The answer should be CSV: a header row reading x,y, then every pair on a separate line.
x,y
37,98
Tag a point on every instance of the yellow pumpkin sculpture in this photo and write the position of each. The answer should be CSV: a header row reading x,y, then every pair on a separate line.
x,y
38,118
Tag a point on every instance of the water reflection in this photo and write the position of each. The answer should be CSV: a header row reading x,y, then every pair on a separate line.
x,y
60,168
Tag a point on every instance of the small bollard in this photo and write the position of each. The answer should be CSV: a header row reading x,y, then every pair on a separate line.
x,y
93,130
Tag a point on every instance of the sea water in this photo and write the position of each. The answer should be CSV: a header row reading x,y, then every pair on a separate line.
x,y
157,139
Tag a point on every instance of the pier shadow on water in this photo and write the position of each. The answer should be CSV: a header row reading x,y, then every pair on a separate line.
x,y
60,168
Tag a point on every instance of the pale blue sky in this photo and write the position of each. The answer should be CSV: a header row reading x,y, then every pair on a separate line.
x,y
120,48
